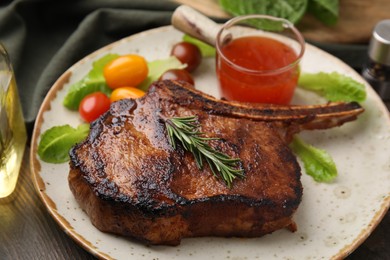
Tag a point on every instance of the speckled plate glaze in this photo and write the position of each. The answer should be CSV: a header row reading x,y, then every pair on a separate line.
x,y
333,219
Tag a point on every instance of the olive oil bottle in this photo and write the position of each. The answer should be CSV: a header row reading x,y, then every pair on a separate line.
x,y
13,135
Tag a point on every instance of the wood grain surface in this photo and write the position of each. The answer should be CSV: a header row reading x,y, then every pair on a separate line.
x,y
357,19
27,230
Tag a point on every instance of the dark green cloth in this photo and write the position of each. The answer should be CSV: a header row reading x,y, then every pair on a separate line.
x,y
44,38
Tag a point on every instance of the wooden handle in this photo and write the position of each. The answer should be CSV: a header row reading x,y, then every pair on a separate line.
x,y
197,25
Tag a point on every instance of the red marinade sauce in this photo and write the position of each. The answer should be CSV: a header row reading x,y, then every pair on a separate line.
x,y
258,53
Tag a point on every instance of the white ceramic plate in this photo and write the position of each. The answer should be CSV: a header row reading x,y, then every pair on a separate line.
x,y
333,219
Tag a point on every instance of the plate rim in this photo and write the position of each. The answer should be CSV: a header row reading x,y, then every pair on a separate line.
x,y
35,166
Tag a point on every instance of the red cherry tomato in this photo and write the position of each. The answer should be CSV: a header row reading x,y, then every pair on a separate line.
x,y
187,53
93,105
177,74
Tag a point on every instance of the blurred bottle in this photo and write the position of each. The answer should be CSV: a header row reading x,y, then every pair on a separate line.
x,y
12,128
377,69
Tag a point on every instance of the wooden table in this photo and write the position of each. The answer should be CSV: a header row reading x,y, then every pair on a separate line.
x,y
356,20
27,231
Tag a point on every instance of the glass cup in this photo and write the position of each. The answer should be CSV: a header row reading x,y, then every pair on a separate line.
x,y
258,59
13,135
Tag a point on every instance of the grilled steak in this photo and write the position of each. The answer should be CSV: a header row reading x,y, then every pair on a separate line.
x,y
132,182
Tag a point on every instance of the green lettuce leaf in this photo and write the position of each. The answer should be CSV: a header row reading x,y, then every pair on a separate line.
x,y
56,142
317,163
292,10
327,11
157,68
333,86
205,49
94,81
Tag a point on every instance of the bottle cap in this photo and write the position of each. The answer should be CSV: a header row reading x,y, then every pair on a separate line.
x,y
379,48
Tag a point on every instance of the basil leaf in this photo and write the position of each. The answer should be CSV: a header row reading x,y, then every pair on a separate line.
x,y
317,163
157,68
327,11
56,142
292,10
333,86
94,81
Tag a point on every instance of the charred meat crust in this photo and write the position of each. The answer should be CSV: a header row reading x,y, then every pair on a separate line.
x,y
131,182
108,190
220,217
263,112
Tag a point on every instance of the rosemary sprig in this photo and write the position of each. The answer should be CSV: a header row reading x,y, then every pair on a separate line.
x,y
186,130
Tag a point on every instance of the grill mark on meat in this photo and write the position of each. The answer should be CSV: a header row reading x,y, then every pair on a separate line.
x,y
131,181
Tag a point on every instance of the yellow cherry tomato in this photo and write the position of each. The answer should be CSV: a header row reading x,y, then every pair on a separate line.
x,y
126,70
126,92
